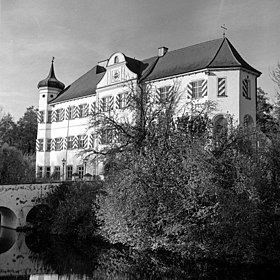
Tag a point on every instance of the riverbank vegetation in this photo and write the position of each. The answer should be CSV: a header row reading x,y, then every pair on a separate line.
x,y
180,185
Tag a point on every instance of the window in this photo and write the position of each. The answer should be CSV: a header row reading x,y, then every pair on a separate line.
x,y
47,171
58,142
71,113
81,141
163,94
197,89
41,116
49,117
70,142
246,88
59,115
49,143
116,59
106,137
248,121
83,110
56,173
121,100
69,172
40,172
220,127
106,104
40,145
80,171
222,92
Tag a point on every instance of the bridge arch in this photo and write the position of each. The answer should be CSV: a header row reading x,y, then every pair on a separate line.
x,y
8,217
37,214
8,238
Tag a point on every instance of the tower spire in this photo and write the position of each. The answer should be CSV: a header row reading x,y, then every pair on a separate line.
x,y
51,80
224,30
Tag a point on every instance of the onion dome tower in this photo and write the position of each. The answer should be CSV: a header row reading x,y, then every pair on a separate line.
x,y
49,88
51,80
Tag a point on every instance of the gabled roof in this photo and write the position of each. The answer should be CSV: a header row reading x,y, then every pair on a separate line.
x,y
218,53
84,86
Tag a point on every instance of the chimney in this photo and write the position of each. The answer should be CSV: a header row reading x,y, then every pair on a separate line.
x,y
162,51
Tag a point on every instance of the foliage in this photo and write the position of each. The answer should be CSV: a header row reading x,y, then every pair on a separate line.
x,y
70,209
7,130
266,121
180,187
21,134
27,131
15,167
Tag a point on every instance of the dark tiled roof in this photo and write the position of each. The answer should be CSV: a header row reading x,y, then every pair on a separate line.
x,y
51,80
218,53
84,86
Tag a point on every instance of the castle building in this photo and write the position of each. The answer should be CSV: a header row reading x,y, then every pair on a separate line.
x,y
211,70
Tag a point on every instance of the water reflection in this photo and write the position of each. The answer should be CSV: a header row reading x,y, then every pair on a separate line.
x,y
8,238
30,256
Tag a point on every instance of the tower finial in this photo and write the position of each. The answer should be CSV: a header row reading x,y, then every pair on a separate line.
x,y
53,59
224,30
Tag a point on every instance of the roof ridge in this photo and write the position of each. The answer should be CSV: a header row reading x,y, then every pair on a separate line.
x,y
184,48
216,53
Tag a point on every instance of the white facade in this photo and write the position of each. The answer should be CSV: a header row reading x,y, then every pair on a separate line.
x,y
63,132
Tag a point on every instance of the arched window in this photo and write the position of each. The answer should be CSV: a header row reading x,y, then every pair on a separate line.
x,y
248,121
116,59
220,126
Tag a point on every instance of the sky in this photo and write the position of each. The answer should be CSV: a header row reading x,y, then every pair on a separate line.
x,y
80,33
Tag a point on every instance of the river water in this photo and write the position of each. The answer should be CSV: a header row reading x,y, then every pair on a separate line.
x,y
29,256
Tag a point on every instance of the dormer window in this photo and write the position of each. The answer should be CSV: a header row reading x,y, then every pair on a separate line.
x,y
116,60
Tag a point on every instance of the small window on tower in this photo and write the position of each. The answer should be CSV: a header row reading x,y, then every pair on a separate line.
x,y
116,59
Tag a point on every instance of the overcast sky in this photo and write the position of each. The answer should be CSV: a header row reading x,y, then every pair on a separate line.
x,y
79,33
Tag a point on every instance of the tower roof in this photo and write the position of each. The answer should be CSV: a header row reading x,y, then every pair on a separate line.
x,y
51,80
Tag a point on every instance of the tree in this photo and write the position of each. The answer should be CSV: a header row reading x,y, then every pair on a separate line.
x,y
265,119
7,130
15,168
27,131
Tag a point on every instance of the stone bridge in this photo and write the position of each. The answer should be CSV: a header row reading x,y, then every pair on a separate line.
x,y
15,256
16,201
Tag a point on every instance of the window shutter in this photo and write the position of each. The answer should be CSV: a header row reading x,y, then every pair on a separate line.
x,y
93,108
221,86
76,112
101,104
37,145
75,142
91,140
39,116
190,90
204,88
111,103
53,145
118,101
86,141
245,88
157,95
67,113
86,109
